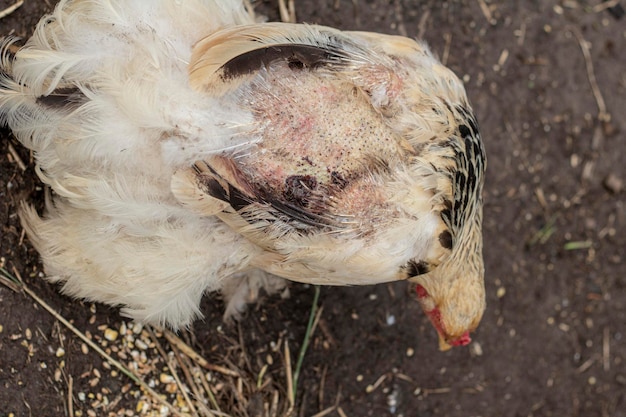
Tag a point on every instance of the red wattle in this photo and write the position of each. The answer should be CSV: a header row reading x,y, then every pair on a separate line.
x,y
464,340
421,291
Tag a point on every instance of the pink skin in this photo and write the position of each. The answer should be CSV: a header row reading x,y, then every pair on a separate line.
x,y
435,318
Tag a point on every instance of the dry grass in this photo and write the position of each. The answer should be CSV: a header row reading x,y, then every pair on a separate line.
x,y
174,379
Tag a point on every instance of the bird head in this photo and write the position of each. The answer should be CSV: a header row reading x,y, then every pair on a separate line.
x,y
446,340
452,295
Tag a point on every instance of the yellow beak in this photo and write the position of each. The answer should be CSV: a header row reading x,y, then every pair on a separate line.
x,y
443,345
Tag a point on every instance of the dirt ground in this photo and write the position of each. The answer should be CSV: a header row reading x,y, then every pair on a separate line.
x,y
547,80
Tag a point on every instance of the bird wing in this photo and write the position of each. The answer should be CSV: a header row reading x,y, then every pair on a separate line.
x,y
325,166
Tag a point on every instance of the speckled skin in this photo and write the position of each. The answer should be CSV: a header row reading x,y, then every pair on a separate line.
x,y
325,134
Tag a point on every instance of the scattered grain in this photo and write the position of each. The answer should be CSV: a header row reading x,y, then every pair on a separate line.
x,y
110,334
501,292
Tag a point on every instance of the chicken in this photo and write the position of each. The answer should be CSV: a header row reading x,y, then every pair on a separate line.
x,y
191,150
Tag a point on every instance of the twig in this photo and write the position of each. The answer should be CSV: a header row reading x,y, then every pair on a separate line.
x,y
183,366
181,387
158,345
332,407
606,349
443,390
586,365
259,378
11,9
371,388
274,406
208,391
24,288
487,12
287,11
16,157
320,396
603,115
5,279
290,392
326,411
70,397
421,26
196,357
603,6
170,363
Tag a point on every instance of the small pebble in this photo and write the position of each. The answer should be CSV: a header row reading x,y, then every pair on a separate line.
x,y
613,183
476,349
60,352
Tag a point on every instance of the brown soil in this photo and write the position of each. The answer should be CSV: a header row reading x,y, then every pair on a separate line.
x,y
552,342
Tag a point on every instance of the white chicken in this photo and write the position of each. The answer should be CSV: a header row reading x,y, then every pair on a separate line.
x,y
192,150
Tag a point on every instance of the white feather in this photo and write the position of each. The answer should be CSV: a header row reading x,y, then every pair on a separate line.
x,y
115,233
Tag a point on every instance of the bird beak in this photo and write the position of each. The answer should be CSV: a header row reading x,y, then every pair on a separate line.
x,y
464,340
443,345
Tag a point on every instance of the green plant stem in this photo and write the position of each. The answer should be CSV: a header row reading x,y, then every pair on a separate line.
x,y
307,339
